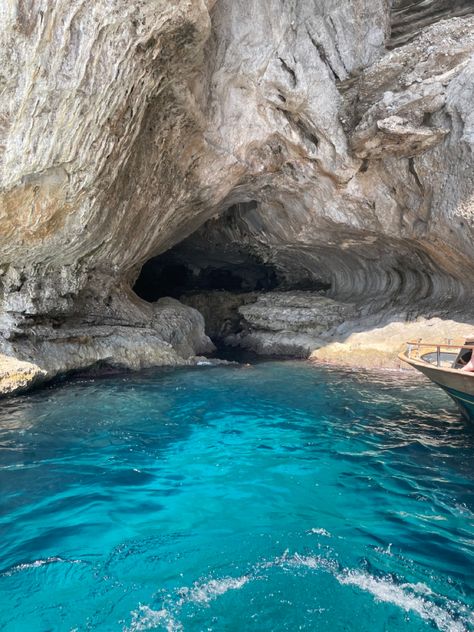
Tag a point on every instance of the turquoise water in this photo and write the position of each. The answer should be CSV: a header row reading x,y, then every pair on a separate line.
x,y
274,497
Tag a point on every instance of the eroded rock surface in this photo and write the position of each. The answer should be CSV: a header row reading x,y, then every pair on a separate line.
x,y
289,323
17,376
221,312
331,141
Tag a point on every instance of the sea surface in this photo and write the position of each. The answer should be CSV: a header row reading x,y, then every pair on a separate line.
x,y
278,496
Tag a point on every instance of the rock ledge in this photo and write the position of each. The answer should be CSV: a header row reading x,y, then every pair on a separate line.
x,y
17,376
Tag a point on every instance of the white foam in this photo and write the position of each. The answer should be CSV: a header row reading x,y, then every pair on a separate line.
x,y
387,591
305,560
417,597
145,619
309,561
419,587
387,551
321,532
37,563
206,592
408,597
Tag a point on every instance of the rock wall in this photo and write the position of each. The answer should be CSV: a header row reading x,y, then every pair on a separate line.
x,y
127,127
370,186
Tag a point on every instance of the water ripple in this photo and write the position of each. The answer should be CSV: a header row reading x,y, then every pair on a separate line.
x,y
164,500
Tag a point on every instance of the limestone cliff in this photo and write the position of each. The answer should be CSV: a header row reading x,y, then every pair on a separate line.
x,y
331,141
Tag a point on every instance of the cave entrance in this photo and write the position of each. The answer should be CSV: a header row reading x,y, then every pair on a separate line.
x,y
223,268
170,275
211,259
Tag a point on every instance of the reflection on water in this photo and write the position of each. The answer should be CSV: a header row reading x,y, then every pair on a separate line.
x,y
276,497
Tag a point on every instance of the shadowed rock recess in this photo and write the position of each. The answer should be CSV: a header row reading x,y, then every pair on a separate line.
x,y
301,172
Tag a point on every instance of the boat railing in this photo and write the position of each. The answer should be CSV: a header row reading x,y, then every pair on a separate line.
x,y
416,350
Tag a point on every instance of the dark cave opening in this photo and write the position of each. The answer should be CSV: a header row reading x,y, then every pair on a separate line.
x,y
217,257
225,254
173,275
222,269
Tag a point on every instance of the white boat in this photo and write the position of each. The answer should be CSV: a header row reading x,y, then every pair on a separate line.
x,y
442,364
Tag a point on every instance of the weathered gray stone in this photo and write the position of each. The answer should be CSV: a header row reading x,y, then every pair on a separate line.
x,y
220,310
289,323
163,333
396,136
126,127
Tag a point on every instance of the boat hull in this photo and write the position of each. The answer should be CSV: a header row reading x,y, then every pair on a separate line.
x,y
464,401
457,384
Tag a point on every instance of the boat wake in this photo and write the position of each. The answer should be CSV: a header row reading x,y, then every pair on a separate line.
x,y
207,591
419,599
145,618
408,598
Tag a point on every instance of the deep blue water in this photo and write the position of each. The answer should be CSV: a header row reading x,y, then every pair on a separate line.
x,y
276,497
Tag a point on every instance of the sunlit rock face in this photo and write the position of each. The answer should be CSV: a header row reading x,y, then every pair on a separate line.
x,y
100,133
366,178
308,134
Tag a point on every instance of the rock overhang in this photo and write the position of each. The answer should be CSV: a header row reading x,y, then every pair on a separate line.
x,y
142,123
